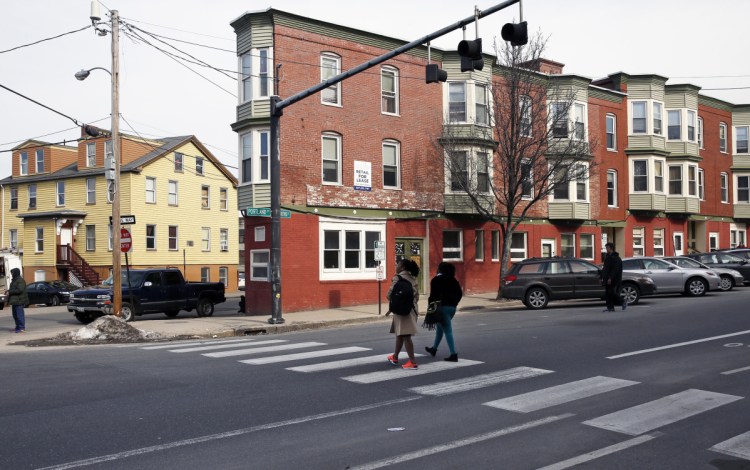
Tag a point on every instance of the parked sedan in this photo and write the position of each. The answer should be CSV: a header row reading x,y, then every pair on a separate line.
x,y
49,292
741,252
729,277
724,259
670,278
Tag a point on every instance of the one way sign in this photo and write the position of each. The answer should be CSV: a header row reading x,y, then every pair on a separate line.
x,y
124,220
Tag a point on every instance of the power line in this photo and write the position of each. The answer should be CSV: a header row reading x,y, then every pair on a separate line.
x,y
192,43
177,29
50,144
42,105
51,133
45,39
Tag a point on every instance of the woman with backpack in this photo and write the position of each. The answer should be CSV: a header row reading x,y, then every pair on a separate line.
x,y
445,288
403,296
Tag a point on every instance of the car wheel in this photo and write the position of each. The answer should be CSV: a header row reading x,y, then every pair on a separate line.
x,y
727,283
696,287
536,298
630,293
126,312
205,308
172,314
54,301
85,318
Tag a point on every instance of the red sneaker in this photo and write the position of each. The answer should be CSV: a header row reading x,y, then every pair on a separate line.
x,y
410,365
392,360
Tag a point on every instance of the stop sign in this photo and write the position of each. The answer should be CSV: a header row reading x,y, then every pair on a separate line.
x,y
126,243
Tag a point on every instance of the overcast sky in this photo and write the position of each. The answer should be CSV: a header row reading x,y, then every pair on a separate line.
x,y
690,41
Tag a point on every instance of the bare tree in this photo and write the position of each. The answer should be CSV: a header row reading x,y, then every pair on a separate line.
x,y
534,144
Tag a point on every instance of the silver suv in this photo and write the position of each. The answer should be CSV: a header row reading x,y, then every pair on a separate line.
x,y
670,278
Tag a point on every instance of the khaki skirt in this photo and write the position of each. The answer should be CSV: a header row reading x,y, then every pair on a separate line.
x,y
404,324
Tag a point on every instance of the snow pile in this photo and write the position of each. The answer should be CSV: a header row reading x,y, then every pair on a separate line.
x,y
109,328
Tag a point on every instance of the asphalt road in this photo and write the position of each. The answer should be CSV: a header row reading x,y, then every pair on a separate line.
x,y
663,385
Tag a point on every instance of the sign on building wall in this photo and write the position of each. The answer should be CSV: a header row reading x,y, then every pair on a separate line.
x,y
362,176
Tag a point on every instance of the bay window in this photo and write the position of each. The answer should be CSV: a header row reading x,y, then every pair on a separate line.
x,y
347,249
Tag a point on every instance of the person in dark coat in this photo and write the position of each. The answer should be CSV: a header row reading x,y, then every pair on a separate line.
x,y
612,277
445,288
18,298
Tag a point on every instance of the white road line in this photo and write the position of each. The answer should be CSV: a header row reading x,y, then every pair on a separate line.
x,y
479,381
559,394
677,345
305,355
226,346
398,373
734,371
655,414
196,343
245,352
333,365
458,443
589,456
225,435
738,446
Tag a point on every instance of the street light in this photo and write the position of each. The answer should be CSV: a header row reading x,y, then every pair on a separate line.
x,y
115,74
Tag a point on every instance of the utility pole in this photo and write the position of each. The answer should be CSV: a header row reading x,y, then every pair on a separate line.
x,y
116,261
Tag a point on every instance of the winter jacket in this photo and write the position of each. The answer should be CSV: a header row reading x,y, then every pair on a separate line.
x,y
17,294
445,288
612,269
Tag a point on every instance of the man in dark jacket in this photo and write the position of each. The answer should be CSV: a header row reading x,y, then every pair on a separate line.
x,y
611,277
18,297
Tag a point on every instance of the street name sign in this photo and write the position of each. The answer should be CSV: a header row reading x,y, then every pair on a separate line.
x,y
266,212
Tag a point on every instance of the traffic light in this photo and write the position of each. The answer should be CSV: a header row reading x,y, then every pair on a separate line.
x,y
434,74
515,33
471,55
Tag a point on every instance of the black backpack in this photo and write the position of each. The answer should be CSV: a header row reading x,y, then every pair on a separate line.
x,y
402,297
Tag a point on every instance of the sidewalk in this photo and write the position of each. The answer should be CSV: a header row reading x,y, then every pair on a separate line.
x,y
187,325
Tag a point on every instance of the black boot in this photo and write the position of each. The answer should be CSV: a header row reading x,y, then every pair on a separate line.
x,y
432,351
452,358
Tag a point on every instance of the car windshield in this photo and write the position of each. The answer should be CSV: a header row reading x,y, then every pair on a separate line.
x,y
687,263
135,278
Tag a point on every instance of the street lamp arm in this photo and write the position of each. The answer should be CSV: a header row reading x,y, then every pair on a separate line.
x,y
83,74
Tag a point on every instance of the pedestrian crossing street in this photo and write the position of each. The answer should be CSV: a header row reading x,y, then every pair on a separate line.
x,y
633,421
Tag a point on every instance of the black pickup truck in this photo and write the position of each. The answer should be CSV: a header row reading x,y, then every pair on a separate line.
x,y
147,291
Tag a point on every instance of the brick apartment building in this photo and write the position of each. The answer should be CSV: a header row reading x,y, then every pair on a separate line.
x,y
673,166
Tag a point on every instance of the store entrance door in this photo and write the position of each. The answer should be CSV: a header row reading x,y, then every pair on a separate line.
x,y
411,248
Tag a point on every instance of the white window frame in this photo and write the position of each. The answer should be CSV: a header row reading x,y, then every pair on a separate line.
x,y
205,239
611,118
524,252
691,124
205,274
724,187
224,275
387,96
206,200
39,240
246,77
526,118
199,166
573,185
60,193
223,199
639,241
713,241
260,234
91,238
481,89
330,66
568,242
701,184
692,181
585,249
448,252
736,191
224,239
613,189
173,188
39,167
150,238
559,121
23,163
633,117
746,148
527,180
471,169
265,82
479,245
179,162
678,113
658,235
13,238
90,192
495,245
91,154
260,264
14,198
723,138
175,238
453,105
396,146
681,180
342,273
109,234
660,106
737,235
700,133
336,138
32,196
150,190
580,116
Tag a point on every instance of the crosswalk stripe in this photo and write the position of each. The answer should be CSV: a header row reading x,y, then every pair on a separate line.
x,y
195,343
559,394
399,373
305,355
655,414
244,352
738,446
226,346
332,365
734,371
589,456
479,381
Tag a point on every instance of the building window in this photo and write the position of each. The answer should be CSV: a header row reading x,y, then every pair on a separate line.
x,y
150,237
452,245
692,180
391,161
691,125
495,245
389,90
568,245
331,159
347,250
479,245
172,237
223,275
205,274
737,236
659,242
150,190
198,165
518,246
561,191
40,161
526,116
255,140
612,188
172,197
587,245
90,190
179,161
109,233
481,105
263,76
205,197
260,234
247,77
91,154
330,66
577,177
701,185
659,176
247,158
639,117
638,241
581,182
675,180
700,132
259,261
674,125
724,187
579,121
559,113
32,196
13,236
611,132
110,190
459,171
60,193
224,239
743,189
722,137
109,155
39,245
657,119
741,139
91,238
223,199
483,172
206,238
527,180
13,198
23,163
457,102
